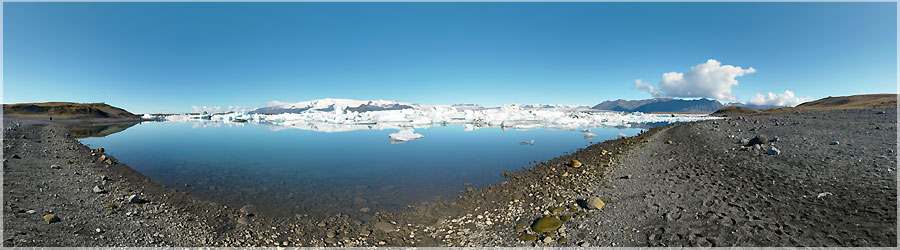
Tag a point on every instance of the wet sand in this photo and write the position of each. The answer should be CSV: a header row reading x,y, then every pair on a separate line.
x,y
682,185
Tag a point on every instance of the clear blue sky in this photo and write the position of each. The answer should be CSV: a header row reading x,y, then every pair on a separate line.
x,y
166,57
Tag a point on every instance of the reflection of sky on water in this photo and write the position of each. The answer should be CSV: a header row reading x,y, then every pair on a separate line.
x,y
304,171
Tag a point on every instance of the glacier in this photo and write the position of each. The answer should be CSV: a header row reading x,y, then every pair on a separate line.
x,y
339,115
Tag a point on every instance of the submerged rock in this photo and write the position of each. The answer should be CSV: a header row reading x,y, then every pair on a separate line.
x,y
546,224
248,210
384,226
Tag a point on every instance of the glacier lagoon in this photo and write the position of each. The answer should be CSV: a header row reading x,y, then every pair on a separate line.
x,y
333,160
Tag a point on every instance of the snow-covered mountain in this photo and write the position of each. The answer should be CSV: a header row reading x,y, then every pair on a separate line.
x,y
332,104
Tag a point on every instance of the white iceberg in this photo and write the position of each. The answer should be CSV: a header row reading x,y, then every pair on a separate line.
x,y
405,136
337,115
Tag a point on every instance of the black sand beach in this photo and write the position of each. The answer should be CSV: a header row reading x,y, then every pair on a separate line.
x,y
692,184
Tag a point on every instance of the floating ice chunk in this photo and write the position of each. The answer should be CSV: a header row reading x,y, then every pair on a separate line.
x,y
589,135
405,136
531,142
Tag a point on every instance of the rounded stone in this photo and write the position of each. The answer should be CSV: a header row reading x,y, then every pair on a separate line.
x,y
527,237
51,218
546,224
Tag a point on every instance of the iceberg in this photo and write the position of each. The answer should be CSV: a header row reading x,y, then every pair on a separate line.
x,y
338,115
405,136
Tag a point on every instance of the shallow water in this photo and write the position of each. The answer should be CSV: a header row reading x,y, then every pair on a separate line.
x,y
293,171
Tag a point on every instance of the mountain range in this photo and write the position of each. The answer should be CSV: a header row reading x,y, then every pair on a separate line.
x,y
671,105
646,106
330,104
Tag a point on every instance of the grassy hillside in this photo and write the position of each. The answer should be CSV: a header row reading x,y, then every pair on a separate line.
x,y
65,110
828,103
735,110
852,102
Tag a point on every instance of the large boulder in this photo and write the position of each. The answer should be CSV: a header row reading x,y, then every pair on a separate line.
x,y
546,224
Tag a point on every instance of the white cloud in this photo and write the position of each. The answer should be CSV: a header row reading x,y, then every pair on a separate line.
x,y
217,109
642,85
784,99
275,103
709,80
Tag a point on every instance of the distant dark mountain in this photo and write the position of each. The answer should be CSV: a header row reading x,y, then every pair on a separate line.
x,y
677,105
671,105
368,107
627,105
277,110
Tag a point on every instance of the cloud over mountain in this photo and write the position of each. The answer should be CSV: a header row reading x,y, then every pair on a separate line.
x,y
709,80
784,99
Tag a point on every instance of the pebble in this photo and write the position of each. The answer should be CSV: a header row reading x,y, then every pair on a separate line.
x,y
595,203
243,221
51,218
55,166
575,164
759,139
330,240
834,143
98,190
134,199
32,211
773,151
527,237
548,239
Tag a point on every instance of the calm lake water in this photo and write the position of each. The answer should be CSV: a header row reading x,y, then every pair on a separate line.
x,y
292,171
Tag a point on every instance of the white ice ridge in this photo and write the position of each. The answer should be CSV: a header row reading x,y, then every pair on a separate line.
x,y
405,135
470,117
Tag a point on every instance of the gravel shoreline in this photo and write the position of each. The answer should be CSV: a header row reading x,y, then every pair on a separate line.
x,y
691,184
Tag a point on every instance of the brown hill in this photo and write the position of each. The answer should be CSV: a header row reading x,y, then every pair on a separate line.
x,y
828,103
852,102
735,110
65,110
